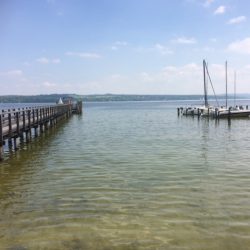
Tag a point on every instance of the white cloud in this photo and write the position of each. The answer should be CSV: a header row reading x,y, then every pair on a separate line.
x,y
192,67
86,55
173,73
185,79
203,3
45,60
162,49
121,43
185,40
118,44
145,77
214,40
48,84
205,49
26,64
13,77
207,3
242,46
156,48
220,10
116,76
55,61
237,20
173,79
170,69
247,67
12,73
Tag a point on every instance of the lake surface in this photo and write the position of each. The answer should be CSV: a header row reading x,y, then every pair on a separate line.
x,y
129,176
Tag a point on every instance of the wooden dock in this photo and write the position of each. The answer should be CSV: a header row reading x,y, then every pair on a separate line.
x,y
17,123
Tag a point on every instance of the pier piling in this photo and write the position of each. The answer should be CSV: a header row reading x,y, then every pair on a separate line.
x,y
1,138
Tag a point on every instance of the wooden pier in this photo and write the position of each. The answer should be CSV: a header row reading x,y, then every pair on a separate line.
x,y
17,123
77,107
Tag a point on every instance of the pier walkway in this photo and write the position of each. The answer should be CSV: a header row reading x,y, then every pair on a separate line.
x,y
17,123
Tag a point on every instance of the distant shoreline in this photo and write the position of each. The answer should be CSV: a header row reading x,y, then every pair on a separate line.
x,y
52,98
110,98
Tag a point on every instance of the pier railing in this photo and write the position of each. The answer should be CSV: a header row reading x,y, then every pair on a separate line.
x,y
15,123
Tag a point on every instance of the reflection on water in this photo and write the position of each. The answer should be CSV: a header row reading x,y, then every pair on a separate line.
x,y
129,176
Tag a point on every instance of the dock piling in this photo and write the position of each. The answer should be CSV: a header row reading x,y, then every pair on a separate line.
x,y
229,113
1,138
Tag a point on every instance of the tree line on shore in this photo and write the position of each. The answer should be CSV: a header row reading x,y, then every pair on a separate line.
x,y
53,98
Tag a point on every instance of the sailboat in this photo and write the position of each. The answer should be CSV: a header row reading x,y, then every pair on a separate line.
x,y
205,108
232,112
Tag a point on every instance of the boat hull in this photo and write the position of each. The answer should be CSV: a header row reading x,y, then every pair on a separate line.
x,y
234,114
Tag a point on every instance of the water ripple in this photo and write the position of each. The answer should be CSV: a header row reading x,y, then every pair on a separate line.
x,y
129,176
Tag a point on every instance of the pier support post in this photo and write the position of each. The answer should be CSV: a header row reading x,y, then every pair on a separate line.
x,y
46,125
199,113
217,113
15,144
1,138
21,135
41,128
229,113
10,142
27,136
1,153
35,132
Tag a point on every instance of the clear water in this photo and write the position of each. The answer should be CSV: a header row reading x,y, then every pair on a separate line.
x,y
129,176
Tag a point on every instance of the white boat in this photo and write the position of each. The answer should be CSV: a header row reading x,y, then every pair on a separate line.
x,y
234,113
216,112
197,110
205,109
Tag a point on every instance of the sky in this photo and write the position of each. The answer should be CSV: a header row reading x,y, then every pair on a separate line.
x,y
123,46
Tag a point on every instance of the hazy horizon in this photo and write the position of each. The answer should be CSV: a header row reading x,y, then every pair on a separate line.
x,y
199,94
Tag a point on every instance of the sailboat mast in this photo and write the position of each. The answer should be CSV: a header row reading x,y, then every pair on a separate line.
x,y
226,81
205,83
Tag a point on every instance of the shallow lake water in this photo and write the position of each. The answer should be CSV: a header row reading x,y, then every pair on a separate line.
x,y
129,175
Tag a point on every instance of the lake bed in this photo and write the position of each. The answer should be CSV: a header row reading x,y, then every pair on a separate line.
x,y
129,175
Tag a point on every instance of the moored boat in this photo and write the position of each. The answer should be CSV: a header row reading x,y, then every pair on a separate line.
x,y
205,109
234,113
